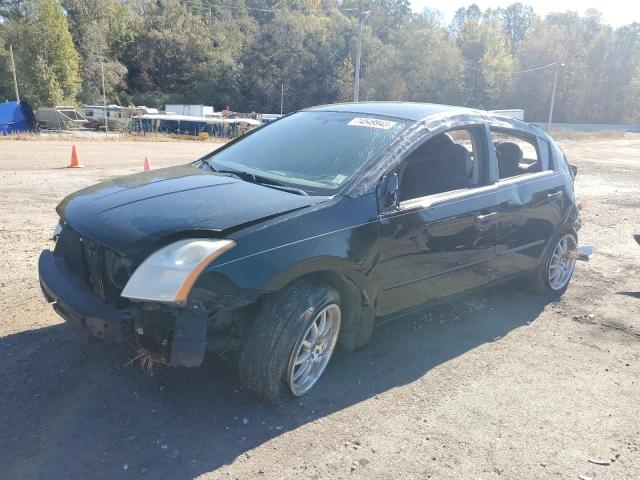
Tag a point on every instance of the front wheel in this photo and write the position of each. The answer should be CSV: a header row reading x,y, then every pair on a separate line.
x,y
313,350
557,265
291,343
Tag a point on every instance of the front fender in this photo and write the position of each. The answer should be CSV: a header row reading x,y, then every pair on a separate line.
x,y
340,266
341,257
346,252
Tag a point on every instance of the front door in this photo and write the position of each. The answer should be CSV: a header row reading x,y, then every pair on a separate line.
x,y
436,248
442,242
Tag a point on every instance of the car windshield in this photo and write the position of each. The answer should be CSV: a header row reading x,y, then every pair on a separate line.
x,y
315,151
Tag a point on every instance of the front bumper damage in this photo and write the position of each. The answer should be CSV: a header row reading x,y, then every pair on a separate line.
x,y
176,334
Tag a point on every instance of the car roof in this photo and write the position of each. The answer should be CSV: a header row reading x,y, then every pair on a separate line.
x,y
406,110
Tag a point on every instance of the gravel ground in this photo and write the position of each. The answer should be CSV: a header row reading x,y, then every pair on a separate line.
x,y
502,384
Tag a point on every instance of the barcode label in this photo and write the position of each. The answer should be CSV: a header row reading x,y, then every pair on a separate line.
x,y
371,123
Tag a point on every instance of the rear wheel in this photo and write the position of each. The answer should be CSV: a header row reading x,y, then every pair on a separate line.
x,y
292,342
556,269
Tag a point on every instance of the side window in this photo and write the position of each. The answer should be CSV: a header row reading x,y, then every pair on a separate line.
x,y
446,162
516,154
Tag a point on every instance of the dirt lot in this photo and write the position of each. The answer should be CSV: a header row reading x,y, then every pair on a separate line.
x,y
499,385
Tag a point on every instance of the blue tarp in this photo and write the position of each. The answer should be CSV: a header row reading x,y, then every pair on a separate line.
x,y
14,117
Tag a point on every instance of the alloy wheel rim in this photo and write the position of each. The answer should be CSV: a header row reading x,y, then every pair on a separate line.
x,y
562,262
313,350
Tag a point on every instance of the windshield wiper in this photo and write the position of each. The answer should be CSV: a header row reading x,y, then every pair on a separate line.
x,y
239,174
264,181
278,186
270,182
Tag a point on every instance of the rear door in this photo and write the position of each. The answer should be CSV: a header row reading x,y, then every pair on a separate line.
x,y
438,245
531,200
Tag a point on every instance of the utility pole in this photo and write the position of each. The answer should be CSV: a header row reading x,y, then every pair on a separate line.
x,y
104,101
356,84
553,94
281,97
13,69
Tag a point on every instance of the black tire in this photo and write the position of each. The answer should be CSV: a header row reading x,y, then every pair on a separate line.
x,y
539,279
264,360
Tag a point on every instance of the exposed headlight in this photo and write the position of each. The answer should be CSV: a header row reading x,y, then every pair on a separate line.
x,y
168,274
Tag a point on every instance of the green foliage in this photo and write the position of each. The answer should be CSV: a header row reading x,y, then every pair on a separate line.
x,y
422,65
245,53
516,21
632,114
45,87
345,80
488,63
46,60
6,79
101,29
305,53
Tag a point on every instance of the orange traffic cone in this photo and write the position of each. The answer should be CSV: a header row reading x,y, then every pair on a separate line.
x,y
75,162
147,165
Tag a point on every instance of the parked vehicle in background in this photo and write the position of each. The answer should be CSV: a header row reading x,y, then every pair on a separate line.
x,y
269,117
187,125
118,117
60,118
308,231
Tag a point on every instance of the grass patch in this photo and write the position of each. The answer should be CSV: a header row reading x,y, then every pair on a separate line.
x,y
147,360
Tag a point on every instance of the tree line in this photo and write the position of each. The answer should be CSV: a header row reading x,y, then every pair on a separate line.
x,y
245,53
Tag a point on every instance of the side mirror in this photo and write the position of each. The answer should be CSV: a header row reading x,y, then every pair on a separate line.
x,y
388,193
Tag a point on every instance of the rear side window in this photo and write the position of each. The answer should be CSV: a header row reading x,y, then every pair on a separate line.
x,y
516,154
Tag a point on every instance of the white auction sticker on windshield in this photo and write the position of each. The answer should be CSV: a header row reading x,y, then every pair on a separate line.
x,y
371,123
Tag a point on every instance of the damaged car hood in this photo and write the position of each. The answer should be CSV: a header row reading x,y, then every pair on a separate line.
x,y
129,213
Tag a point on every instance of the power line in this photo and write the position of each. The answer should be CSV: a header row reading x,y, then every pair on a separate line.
x,y
536,68
303,103
542,67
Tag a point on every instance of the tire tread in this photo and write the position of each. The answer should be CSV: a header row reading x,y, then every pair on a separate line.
x,y
267,349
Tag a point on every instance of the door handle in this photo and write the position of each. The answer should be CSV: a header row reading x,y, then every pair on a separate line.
x,y
483,219
555,195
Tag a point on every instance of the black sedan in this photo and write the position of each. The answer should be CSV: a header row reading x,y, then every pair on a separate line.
x,y
308,231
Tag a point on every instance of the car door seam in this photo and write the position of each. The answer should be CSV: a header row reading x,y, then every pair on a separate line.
x,y
432,275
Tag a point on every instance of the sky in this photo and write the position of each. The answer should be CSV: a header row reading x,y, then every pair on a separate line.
x,y
615,12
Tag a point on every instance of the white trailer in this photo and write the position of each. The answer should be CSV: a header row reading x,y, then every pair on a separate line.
x,y
190,110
